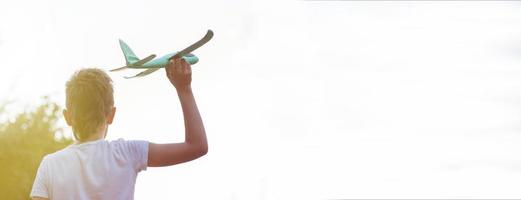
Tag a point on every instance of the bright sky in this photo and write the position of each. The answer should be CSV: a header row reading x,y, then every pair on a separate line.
x,y
301,99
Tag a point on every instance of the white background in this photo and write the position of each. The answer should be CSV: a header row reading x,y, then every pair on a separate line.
x,y
301,99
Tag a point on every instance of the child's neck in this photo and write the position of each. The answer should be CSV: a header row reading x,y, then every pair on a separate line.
x,y
90,139
98,136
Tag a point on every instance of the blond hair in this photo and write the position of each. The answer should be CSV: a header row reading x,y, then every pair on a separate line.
x,y
89,99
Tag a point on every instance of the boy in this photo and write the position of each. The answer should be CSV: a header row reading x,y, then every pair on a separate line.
x,y
94,168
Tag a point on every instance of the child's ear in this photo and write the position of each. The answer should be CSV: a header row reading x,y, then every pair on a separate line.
x,y
67,117
110,117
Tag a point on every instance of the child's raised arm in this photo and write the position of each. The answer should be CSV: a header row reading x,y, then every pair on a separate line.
x,y
179,73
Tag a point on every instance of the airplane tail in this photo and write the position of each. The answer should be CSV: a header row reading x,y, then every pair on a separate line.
x,y
130,57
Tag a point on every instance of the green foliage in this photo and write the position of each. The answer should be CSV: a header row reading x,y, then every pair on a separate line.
x,y
24,141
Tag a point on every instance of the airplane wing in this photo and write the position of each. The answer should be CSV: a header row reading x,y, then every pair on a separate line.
x,y
143,73
118,69
138,63
144,60
201,42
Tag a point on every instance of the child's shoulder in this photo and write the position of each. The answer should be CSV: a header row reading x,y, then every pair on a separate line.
x,y
75,148
126,144
59,155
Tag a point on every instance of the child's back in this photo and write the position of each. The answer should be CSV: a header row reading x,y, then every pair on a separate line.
x,y
94,168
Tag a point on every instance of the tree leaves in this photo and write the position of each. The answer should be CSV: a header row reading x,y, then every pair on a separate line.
x,y
24,141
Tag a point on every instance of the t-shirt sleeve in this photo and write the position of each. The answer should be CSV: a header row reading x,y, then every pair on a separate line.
x,y
137,153
41,182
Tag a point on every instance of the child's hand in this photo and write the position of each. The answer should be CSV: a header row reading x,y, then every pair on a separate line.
x,y
179,72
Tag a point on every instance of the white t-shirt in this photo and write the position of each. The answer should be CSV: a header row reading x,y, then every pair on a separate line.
x,y
93,170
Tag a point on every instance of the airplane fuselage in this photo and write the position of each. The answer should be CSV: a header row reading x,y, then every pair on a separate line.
x,y
162,61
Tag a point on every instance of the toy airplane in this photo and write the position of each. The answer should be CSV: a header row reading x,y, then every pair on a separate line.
x,y
151,65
